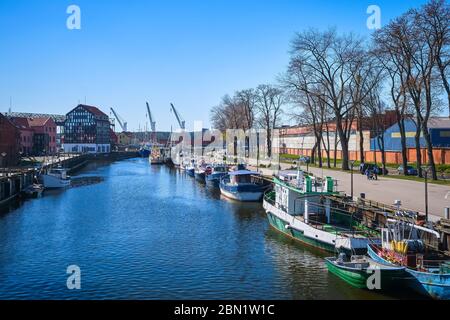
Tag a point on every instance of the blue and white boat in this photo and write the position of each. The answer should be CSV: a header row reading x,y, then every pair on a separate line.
x,y
243,185
145,151
217,173
190,169
401,245
201,172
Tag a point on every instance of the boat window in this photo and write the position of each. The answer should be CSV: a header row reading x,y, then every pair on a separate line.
x,y
244,179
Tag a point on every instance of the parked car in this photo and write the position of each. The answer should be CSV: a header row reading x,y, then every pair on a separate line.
x,y
305,159
410,170
379,170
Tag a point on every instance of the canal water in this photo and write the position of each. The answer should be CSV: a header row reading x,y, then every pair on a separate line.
x,y
151,232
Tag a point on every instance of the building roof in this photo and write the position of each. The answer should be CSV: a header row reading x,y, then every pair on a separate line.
x,y
56,117
8,120
94,110
21,123
439,123
126,133
38,122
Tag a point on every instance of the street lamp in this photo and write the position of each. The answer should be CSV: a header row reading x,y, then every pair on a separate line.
x,y
426,169
352,163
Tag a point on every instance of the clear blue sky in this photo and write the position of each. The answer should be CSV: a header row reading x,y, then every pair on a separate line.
x,y
189,52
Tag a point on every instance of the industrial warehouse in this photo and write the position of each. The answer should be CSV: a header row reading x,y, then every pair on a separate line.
x,y
300,140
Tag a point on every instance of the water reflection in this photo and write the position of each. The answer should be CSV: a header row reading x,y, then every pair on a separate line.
x,y
151,232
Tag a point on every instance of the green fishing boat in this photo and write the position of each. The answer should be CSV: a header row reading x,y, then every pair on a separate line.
x,y
365,273
300,207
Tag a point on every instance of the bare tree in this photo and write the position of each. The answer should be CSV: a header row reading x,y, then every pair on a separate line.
x,y
269,101
246,100
376,109
235,112
390,52
326,59
435,18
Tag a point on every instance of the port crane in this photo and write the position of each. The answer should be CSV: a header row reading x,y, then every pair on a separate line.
x,y
180,120
120,120
152,123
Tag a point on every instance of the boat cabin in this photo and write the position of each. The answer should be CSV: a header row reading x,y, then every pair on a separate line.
x,y
303,196
58,172
243,176
220,169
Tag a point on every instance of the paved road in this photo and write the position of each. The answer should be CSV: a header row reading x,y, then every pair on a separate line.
x,y
387,190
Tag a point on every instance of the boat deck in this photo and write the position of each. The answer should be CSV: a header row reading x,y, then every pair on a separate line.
x,y
346,232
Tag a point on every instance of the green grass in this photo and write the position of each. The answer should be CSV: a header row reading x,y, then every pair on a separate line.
x,y
414,178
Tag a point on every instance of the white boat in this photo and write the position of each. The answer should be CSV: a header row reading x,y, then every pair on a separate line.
x,y
56,178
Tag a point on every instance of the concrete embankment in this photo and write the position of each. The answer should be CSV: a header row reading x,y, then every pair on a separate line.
x,y
15,180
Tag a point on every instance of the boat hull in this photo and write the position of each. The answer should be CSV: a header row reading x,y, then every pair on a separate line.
x,y
436,286
200,176
215,183
325,239
144,153
51,182
190,172
359,278
280,225
214,179
156,161
245,196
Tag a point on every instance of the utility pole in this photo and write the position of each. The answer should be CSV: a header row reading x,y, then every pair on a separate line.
x,y
425,170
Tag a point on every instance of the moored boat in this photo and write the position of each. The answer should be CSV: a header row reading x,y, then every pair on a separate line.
x,y
362,272
217,173
243,185
144,152
300,207
33,191
190,169
201,172
156,157
402,246
56,178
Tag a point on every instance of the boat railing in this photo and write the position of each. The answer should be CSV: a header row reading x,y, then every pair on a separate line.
x,y
337,230
437,264
269,196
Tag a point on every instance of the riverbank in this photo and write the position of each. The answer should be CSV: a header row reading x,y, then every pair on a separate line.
x,y
13,181
386,190
151,232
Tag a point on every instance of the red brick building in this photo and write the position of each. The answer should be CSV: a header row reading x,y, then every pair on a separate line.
x,y
26,135
37,135
44,137
9,142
